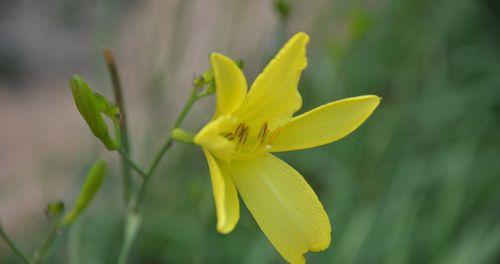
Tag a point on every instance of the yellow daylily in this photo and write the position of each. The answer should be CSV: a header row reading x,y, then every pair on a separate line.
x,y
247,127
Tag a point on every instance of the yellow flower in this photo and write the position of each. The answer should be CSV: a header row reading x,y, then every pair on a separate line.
x,y
246,128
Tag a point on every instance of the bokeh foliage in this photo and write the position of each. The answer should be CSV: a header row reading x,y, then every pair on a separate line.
x,y
417,183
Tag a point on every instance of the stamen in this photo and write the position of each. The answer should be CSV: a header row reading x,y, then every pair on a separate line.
x,y
263,133
256,144
238,129
245,135
274,135
229,135
241,132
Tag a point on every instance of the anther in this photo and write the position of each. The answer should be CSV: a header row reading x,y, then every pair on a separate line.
x,y
243,134
263,133
238,129
229,136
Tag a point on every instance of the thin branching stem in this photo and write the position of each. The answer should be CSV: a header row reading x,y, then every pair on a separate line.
x,y
12,245
131,163
133,215
41,253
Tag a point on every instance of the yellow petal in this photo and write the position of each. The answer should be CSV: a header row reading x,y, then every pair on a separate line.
x,y
283,205
325,124
273,96
209,137
231,85
225,196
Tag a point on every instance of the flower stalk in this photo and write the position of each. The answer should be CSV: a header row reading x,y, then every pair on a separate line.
x,y
41,253
133,218
122,132
12,245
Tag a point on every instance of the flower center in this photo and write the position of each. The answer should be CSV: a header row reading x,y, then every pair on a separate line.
x,y
250,141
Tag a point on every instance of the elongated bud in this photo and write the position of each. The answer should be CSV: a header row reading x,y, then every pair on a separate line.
x,y
182,136
89,107
90,187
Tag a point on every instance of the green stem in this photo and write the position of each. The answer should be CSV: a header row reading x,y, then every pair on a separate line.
x,y
187,106
133,216
135,203
166,145
132,225
12,245
41,253
122,133
128,160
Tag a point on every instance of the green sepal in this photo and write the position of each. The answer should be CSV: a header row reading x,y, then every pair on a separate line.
x,y
92,183
90,107
110,109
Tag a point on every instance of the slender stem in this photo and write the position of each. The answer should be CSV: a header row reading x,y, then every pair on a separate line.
x,y
140,195
135,202
41,253
132,225
123,131
187,106
166,145
131,163
12,245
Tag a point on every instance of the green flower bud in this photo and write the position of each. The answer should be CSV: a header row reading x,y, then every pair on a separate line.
x,y
210,89
198,82
182,136
240,63
90,187
208,76
89,107
55,209
283,8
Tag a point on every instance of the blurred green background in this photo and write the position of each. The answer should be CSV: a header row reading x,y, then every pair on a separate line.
x,y
417,183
